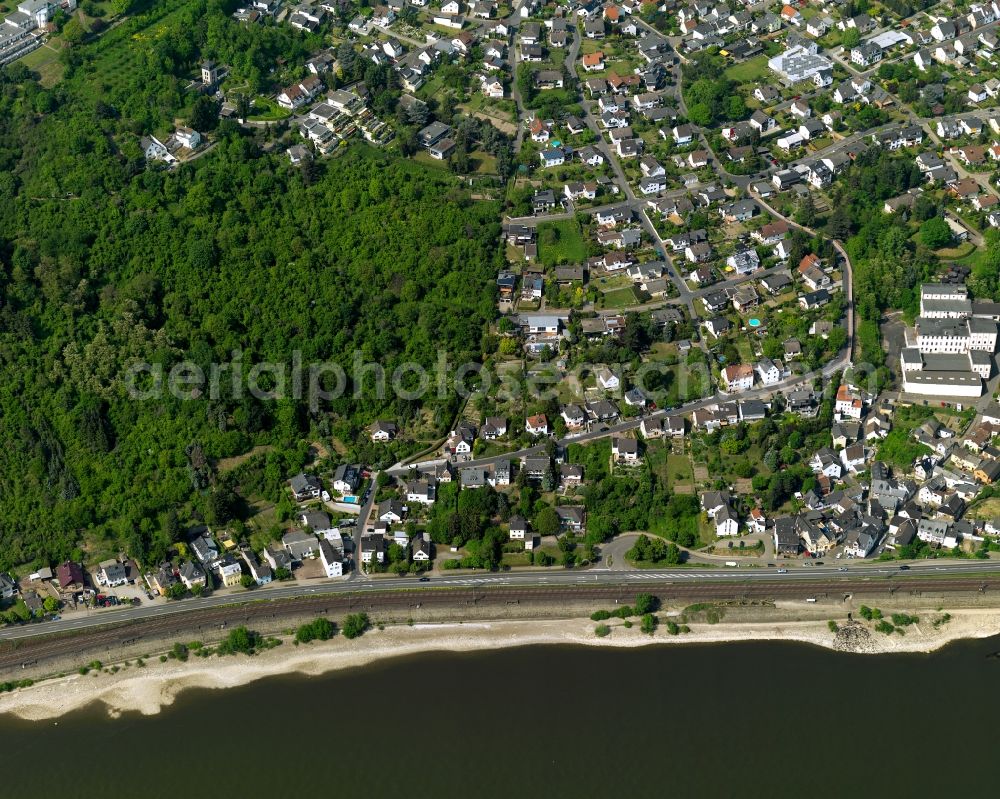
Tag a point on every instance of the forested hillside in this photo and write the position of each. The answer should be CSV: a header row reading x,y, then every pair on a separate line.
x,y
105,261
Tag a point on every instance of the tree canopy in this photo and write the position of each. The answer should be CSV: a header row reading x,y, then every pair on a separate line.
x,y
236,258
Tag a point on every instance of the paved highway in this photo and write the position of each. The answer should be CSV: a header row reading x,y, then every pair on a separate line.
x,y
793,573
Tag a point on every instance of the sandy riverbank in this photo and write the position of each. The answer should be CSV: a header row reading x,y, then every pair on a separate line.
x,y
150,689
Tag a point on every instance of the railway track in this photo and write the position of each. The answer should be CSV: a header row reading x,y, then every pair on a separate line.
x,y
110,639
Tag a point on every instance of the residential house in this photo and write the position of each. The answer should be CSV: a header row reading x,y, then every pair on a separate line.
x,y
390,511
786,536
306,487
111,574
261,572
825,461
331,558
737,377
849,402
537,425
372,548
383,431
278,558
204,548
192,575
8,586
229,571
494,427
300,545
572,518
625,450
768,373
347,478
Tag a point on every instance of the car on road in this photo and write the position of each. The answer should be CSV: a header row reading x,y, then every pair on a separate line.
x,y
842,569
904,568
425,579
782,571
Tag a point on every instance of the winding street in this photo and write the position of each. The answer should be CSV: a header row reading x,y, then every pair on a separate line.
x,y
515,92
848,281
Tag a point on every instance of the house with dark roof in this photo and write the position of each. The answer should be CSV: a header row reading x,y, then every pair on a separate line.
x,y
571,518
305,487
70,576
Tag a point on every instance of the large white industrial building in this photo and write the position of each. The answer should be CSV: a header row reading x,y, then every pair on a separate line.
x,y
949,352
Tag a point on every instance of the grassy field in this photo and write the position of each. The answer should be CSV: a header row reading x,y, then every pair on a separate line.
x,y
514,559
751,70
44,61
424,157
432,88
706,530
972,259
987,509
267,110
964,250
678,381
485,163
661,349
618,298
679,469
561,242
670,468
504,110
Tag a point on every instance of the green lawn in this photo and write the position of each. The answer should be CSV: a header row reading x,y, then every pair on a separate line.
x,y
424,157
749,71
46,63
500,109
958,253
266,110
618,298
706,530
679,469
486,164
514,559
561,243
972,259
433,88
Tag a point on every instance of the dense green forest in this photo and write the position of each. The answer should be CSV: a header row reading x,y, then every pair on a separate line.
x,y
105,261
